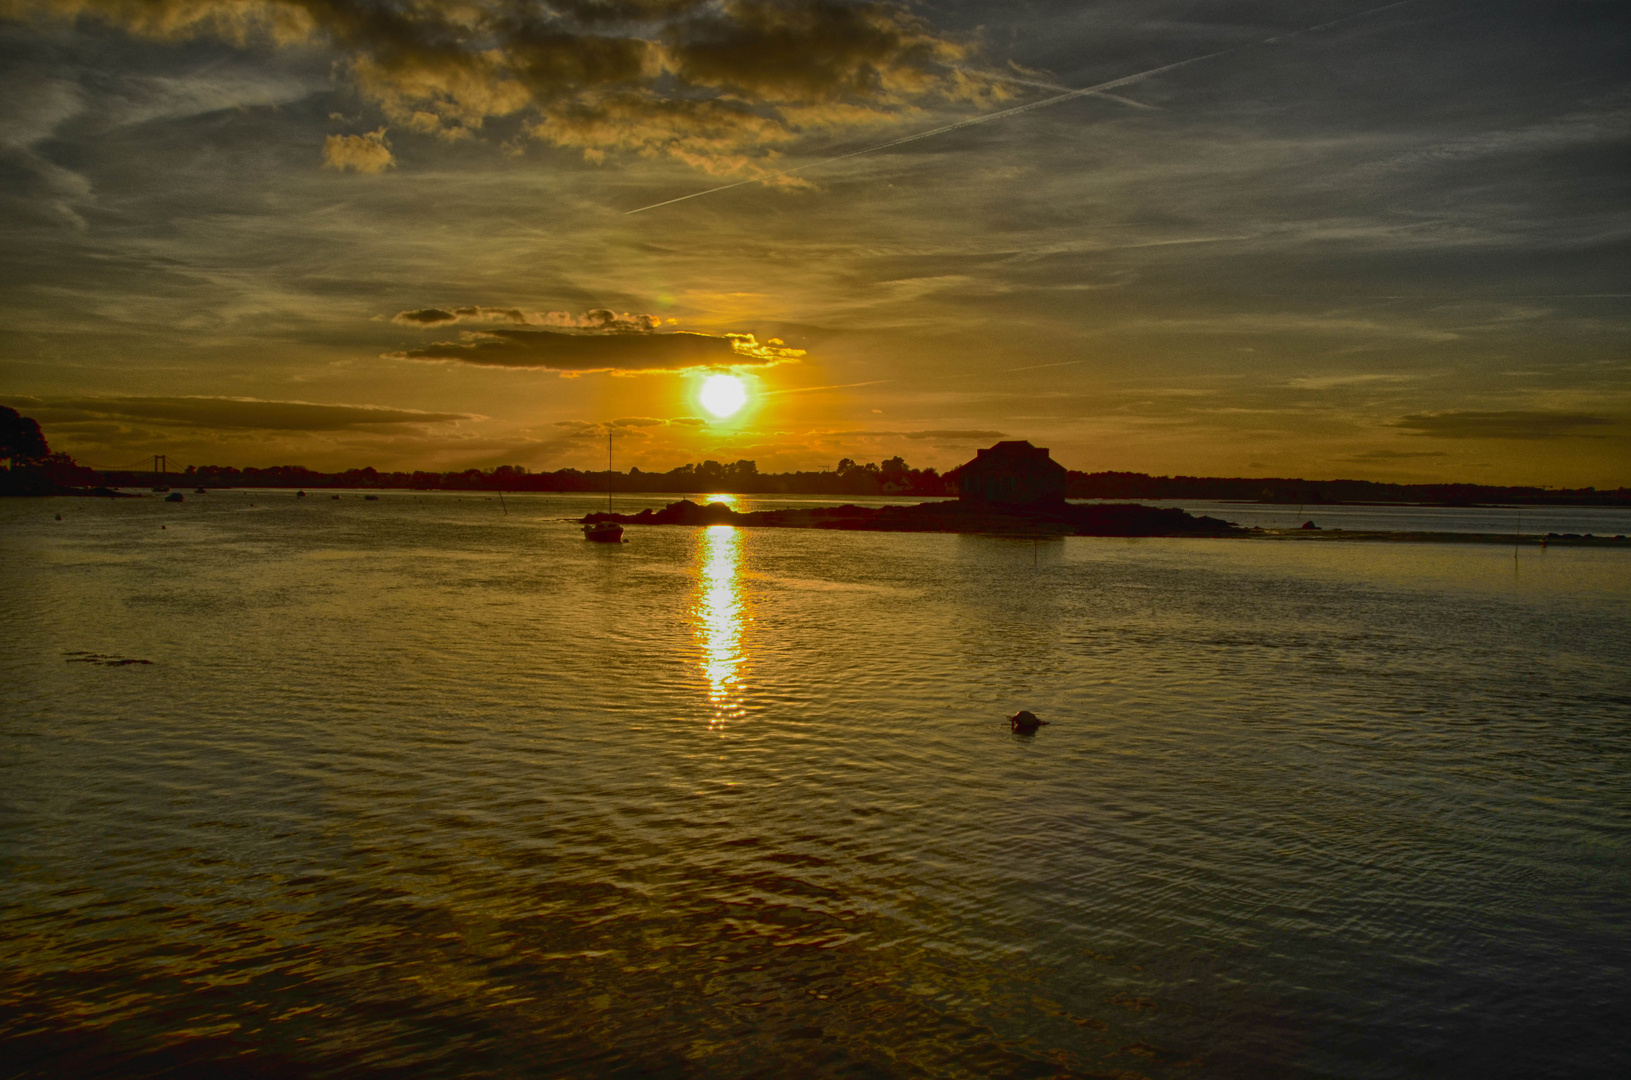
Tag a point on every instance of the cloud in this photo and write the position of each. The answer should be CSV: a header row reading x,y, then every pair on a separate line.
x,y
1333,382
625,426
956,435
227,413
1502,425
717,84
370,153
576,352
1370,456
425,317
602,319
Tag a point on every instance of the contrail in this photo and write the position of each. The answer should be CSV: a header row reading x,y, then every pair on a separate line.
x,y
958,126
1097,88
807,389
997,76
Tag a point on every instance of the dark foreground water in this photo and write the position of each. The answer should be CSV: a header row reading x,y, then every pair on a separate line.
x,y
414,788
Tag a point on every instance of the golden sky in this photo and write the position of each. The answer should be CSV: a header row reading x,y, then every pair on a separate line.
x,y
1290,238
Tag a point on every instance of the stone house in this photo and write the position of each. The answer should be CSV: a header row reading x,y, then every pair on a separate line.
x,y
1012,473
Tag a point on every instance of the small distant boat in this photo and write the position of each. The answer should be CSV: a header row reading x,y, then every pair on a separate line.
x,y
199,491
160,489
605,532
371,498
174,496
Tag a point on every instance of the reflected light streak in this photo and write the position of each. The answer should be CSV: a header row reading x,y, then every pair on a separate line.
x,y
718,618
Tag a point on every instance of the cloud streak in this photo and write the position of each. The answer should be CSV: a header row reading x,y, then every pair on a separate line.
x,y
957,435
228,413
578,353
1513,424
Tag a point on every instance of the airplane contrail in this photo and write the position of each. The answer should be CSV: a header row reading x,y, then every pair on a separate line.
x,y
999,77
1095,89
807,389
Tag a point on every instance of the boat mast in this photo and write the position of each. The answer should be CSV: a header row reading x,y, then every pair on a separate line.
x,y
608,472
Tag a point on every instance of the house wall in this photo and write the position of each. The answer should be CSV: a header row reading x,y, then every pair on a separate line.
x,y
1012,487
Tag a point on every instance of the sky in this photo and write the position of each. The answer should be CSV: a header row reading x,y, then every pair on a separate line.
x,y
1308,238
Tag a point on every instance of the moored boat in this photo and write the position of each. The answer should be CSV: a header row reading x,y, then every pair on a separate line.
x,y
605,532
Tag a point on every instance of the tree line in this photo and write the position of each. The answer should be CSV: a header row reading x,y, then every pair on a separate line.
x,y
35,469
893,477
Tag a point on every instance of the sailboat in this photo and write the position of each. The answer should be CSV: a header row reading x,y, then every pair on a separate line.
x,y
605,532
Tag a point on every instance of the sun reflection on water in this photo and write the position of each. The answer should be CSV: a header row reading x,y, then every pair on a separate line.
x,y
718,617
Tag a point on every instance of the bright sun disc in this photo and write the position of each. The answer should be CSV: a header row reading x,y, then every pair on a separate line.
x,y
722,395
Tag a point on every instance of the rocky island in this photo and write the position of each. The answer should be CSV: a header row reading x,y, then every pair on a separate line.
x,y
1012,487
1061,519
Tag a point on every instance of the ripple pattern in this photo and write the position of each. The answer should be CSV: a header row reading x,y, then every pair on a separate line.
x,y
411,787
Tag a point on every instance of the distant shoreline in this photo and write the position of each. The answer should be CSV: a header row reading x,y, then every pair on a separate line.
x,y
861,482
1062,519
1406,537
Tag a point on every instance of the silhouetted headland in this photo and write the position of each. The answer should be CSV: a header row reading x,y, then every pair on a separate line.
x,y
1061,519
1018,489
1012,487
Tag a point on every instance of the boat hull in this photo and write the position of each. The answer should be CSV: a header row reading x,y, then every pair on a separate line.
x,y
603,532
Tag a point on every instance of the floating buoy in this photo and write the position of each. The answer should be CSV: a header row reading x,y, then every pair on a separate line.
x,y
59,517
1024,722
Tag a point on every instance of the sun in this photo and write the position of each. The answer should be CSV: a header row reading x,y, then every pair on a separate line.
x,y
722,395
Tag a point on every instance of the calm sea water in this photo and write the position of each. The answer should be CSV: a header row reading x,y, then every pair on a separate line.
x,y
416,787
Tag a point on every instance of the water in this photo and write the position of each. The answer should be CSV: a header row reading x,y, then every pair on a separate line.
x,y
1514,521
417,788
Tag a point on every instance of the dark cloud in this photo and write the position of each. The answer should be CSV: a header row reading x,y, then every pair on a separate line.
x,y
1516,424
805,52
425,317
601,319
713,83
226,414
557,350
956,435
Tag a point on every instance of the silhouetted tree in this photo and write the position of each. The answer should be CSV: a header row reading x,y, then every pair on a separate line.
x,y
21,441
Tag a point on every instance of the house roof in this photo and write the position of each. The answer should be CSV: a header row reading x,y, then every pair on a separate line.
x,y
1013,454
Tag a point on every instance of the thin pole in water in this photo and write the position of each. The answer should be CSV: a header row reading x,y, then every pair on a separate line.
x,y
502,503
